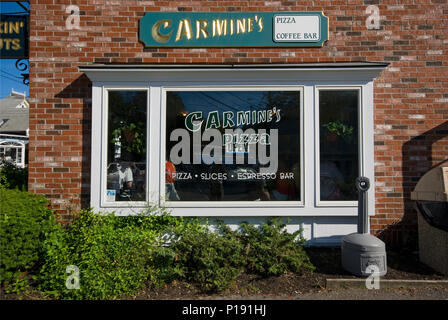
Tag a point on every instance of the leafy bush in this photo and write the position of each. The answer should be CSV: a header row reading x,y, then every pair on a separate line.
x,y
214,259
115,255
12,177
112,253
271,250
120,255
209,259
25,220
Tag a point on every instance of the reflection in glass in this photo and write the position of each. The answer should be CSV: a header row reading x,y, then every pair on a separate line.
x,y
232,146
126,146
338,123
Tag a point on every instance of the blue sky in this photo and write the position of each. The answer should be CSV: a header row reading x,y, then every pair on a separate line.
x,y
9,74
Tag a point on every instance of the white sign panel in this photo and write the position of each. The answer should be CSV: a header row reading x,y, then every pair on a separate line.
x,y
297,28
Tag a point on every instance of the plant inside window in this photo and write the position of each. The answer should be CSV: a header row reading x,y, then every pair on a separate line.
x,y
127,125
131,136
338,129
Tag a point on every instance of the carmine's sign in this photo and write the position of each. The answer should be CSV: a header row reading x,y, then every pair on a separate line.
x,y
13,36
234,29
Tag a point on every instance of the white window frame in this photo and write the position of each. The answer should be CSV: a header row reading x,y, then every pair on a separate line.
x,y
157,80
143,87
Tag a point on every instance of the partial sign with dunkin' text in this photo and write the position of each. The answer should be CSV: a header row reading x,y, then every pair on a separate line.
x,y
14,36
234,29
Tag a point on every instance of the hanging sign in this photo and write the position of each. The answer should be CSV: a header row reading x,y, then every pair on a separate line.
x,y
234,29
13,36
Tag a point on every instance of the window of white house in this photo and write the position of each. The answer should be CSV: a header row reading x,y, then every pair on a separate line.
x,y
233,145
338,143
126,145
12,152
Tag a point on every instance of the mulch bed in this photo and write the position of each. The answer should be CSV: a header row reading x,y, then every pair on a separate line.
x,y
328,265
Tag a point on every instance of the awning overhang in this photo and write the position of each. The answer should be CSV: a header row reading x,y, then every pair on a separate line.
x,y
313,71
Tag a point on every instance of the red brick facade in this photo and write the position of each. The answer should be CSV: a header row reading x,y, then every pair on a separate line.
x,y
410,96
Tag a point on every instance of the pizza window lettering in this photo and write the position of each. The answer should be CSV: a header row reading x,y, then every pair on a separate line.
x,y
233,145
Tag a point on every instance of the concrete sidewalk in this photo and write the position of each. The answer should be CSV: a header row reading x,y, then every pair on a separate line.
x,y
434,293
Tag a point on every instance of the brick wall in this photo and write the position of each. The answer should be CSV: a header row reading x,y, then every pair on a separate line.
x,y
411,96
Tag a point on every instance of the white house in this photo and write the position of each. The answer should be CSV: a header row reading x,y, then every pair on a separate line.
x,y
14,128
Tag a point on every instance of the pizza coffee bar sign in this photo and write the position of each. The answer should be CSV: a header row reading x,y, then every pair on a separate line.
x,y
234,29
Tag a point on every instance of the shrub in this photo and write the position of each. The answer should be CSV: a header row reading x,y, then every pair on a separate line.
x,y
112,253
209,259
271,250
165,258
215,259
13,177
120,255
115,255
25,220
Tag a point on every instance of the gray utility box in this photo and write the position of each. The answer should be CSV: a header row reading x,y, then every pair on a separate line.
x,y
361,250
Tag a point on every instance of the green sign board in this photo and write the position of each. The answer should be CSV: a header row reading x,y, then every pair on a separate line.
x,y
13,36
234,29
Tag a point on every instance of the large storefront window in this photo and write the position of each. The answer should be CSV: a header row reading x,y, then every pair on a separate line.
x,y
233,145
126,146
232,141
339,157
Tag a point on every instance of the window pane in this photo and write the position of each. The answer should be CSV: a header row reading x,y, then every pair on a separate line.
x,y
232,146
126,146
338,117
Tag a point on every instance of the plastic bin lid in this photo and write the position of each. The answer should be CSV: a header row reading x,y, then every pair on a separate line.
x,y
364,242
433,186
435,213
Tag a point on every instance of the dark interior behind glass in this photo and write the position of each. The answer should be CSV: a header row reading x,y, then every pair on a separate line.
x,y
126,146
338,124
194,182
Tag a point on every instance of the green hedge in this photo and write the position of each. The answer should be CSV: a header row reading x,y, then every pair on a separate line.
x,y
214,259
13,177
25,221
271,250
209,259
117,255
114,256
